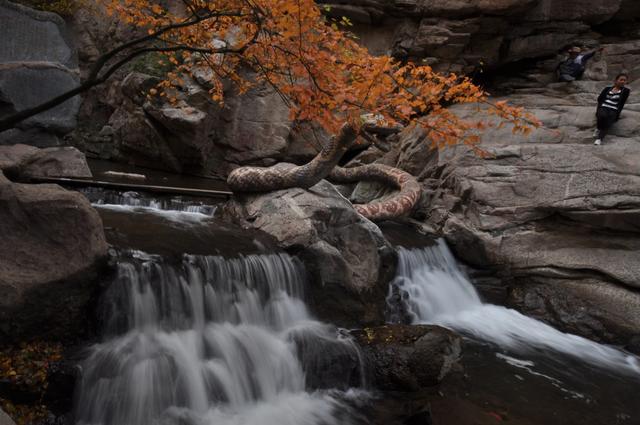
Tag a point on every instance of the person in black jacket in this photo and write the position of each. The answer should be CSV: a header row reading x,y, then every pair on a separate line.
x,y
610,104
573,67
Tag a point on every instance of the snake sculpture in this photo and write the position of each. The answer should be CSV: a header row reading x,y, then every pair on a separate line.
x,y
324,165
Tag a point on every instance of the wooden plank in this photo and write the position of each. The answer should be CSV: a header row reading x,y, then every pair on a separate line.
x,y
135,186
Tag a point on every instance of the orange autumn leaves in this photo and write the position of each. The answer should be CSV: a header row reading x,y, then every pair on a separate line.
x,y
316,67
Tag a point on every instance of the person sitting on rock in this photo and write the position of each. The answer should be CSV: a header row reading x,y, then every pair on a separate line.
x,y
610,104
573,67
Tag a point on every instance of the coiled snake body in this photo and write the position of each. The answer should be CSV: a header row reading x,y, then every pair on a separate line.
x,y
324,165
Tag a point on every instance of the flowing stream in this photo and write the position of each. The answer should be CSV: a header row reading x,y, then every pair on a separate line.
x,y
175,208
227,339
517,369
208,340
439,292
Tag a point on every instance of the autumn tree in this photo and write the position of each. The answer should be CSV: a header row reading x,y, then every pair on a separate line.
x,y
318,69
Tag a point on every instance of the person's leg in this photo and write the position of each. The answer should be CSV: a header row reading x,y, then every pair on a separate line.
x,y
606,117
601,126
565,78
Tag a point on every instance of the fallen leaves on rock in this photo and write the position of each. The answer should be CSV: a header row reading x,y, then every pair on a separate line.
x,y
25,368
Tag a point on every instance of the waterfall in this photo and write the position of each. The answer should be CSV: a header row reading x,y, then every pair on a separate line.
x,y
208,340
437,291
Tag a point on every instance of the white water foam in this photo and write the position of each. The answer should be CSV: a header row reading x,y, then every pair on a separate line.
x,y
440,293
172,215
209,341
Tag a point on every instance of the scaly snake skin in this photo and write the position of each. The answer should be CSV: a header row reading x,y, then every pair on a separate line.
x,y
284,176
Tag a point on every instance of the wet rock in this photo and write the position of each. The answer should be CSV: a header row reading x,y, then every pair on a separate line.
x,y
327,362
22,162
408,357
53,244
349,261
37,63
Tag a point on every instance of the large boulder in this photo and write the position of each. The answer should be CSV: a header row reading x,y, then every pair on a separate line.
x,y
37,63
53,244
348,260
35,36
254,126
23,162
408,358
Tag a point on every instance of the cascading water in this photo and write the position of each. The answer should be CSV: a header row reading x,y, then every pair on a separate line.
x,y
208,340
439,292
135,202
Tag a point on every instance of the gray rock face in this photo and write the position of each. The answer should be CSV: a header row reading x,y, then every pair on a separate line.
x,y
408,358
254,126
52,243
197,135
37,63
348,259
458,35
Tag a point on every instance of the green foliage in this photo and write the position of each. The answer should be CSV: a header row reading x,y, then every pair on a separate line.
x,y
155,64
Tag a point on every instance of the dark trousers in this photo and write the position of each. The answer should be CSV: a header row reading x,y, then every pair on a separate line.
x,y
606,117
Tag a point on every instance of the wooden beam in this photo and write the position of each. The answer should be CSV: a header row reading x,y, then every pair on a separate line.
x,y
135,186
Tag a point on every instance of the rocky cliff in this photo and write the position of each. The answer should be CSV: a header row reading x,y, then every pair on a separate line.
x,y
468,35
